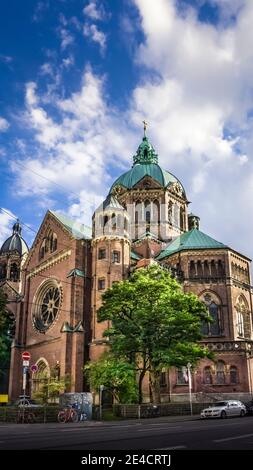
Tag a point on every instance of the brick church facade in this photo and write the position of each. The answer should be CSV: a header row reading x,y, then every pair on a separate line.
x,y
57,286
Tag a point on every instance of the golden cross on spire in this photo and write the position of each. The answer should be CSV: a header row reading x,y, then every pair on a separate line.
x,y
145,125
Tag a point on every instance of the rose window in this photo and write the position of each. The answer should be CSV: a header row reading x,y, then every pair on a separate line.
x,y
47,305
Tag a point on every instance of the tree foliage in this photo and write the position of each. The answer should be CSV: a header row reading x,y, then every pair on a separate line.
x,y
52,387
117,376
6,323
153,323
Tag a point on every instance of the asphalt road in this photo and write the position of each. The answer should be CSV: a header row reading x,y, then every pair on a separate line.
x,y
156,434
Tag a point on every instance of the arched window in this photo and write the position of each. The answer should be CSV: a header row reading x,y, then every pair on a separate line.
x,y
192,271
114,224
220,373
49,244
207,375
176,215
14,272
240,324
199,269
156,212
182,218
243,318
147,212
206,269
170,212
3,271
213,328
213,269
233,375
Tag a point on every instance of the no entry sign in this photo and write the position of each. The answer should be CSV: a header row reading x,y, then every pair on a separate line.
x,y
26,356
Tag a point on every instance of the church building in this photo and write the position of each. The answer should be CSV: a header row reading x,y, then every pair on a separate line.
x,y
57,286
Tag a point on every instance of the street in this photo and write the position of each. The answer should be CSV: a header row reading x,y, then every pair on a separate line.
x,y
156,434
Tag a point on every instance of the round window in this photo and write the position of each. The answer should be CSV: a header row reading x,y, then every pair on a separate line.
x,y
46,306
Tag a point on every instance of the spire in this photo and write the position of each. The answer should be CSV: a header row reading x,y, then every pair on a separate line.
x,y
17,228
145,125
145,153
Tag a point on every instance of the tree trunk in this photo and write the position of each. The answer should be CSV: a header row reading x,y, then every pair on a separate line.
x,y
155,387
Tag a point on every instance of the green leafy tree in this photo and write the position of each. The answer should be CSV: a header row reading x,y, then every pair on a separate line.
x,y
6,325
52,387
153,323
116,374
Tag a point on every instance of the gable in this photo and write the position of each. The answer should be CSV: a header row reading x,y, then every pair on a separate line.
x,y
147,183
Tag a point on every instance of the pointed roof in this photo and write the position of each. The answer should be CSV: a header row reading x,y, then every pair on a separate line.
x,y
111,203
76,229
192,240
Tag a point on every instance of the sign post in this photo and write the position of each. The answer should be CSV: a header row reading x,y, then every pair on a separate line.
x,y
101,388
26,356
190,384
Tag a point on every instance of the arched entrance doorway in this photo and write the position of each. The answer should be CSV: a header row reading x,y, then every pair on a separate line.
x,y
40,378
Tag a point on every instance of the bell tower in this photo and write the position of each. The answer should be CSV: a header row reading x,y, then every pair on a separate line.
x,y
110,262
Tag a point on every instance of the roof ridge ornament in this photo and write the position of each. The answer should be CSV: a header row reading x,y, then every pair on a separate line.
x,y
145,153
145,125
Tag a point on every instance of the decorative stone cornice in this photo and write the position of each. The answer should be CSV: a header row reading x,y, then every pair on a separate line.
x,y
230,346
105,238
49,263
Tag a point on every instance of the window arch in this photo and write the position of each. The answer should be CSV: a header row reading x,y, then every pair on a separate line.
x,y
49,244
176,215
233,373
42,375
212,302
147,207
182,218
242,318
170,212
46,305
220,373
208,375
14,272
156,211
3,271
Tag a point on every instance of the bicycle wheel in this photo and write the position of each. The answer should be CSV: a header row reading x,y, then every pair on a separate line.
x,y
30,418
61,417
74,416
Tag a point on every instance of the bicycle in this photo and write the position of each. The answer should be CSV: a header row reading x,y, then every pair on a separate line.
x,y
151,411
25,416
67,415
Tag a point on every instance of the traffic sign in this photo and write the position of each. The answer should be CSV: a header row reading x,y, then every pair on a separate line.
x,y
26,356
26,363
34,368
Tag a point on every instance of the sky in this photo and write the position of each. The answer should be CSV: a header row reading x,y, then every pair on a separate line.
x,y
77,78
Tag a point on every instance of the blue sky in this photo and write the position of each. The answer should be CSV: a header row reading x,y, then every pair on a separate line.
x,y
76,80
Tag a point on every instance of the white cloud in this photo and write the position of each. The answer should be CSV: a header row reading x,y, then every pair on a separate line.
x,y
93,11
94,34
6,222
75,152
199,92
4,125
195,91
66,38
68,61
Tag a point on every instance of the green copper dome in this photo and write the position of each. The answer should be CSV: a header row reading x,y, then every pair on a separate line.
x,y
145,164
15,243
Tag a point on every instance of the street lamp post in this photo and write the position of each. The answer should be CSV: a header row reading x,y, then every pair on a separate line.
x,y
190,384
101,388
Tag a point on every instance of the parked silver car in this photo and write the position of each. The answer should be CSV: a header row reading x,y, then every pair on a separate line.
x,y
223,409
